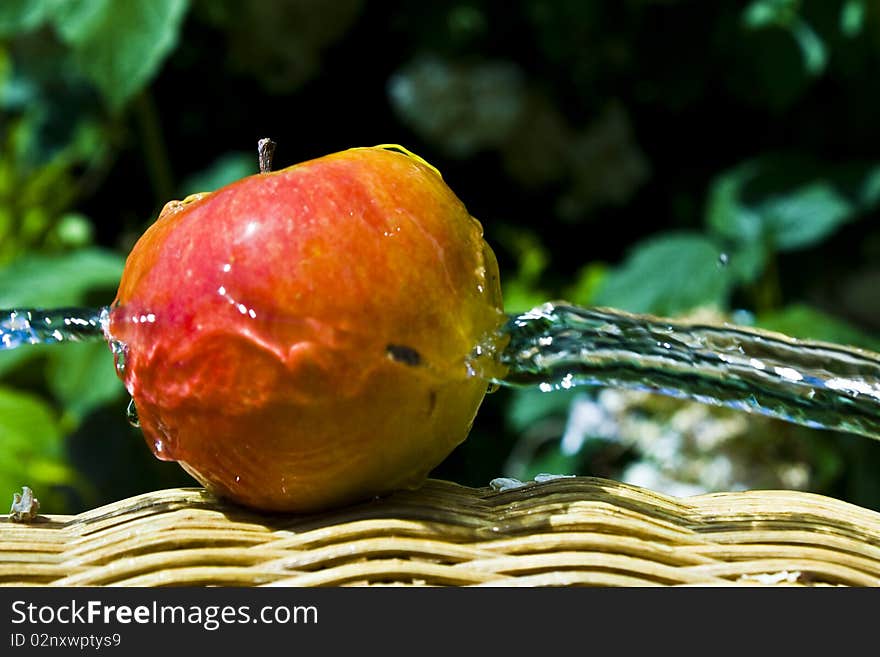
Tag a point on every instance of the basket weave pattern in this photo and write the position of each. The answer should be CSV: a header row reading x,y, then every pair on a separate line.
x,y
579,531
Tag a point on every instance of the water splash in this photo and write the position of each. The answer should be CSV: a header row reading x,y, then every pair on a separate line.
x,y
35,326
557,346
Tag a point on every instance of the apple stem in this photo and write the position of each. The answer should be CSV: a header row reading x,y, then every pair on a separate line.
x,y
265,151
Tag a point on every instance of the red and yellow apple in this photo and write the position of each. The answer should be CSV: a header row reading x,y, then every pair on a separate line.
x,y
298,339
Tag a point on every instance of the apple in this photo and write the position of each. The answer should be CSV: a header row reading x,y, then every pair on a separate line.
x,y
298,339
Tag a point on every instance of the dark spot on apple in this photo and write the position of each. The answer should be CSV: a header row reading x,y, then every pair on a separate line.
x,y
432,401
403,354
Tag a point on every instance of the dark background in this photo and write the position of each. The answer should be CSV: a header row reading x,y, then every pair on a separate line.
x,y
707,159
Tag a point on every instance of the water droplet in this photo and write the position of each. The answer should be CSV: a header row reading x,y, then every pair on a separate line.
x,y
131,414
723,260
120,355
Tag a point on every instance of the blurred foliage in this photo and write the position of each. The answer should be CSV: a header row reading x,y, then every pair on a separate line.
x,y
716,160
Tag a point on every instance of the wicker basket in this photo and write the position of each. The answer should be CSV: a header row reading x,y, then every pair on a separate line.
x,y
578,531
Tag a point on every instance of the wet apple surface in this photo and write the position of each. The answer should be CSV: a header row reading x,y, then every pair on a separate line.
x,y
298,339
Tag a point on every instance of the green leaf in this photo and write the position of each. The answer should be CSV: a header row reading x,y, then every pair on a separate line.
x,y
812,47
668,275
73,231
9,360
520,295
587,283
747,261
75,19
523,290
801,321
784,14
18,16
28,427
852,18
806,216
766,13
869,192
82,377
120,45
726,213
32,451
787,202
61,280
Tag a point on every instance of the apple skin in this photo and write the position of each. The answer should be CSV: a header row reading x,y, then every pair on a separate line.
x,y
297,339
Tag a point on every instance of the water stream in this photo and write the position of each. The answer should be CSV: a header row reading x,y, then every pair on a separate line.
x,y
558,346
36,326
